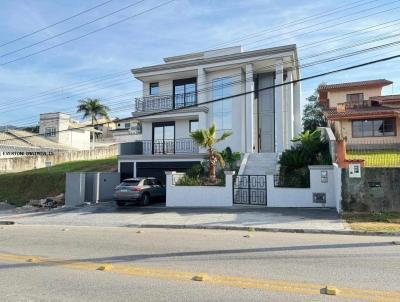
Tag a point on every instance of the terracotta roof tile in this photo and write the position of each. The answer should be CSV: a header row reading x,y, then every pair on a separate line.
x,y
379,82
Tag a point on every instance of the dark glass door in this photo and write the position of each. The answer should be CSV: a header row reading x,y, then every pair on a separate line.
x,y
185,92
164,138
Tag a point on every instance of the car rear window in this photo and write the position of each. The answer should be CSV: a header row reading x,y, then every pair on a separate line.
x,y
130,183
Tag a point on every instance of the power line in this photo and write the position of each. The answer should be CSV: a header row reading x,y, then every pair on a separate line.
x,y
306,65
87,34
71,29
204,90
54,24
332,11
239,94
326,27
295,22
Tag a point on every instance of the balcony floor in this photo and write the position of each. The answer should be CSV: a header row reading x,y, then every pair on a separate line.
x,y
176,156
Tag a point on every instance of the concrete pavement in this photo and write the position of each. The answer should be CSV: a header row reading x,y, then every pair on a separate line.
x,y
157,265
107,214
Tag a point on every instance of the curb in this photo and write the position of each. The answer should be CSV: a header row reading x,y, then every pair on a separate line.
x,y
258,229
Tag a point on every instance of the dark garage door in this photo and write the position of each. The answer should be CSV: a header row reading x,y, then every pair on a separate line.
x,y
157,169
126,170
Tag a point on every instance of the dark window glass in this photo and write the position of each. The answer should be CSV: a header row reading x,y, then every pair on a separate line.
x,y
355,97
154,89
130,183
366,128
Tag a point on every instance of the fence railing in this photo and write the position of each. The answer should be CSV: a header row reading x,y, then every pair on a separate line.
x,y
170,146
378,152
157,103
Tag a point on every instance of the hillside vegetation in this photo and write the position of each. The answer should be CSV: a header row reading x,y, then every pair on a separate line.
x,y
19,188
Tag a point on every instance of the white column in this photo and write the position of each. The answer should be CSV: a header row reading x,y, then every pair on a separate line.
x,y
289,110
201,85
134,170
296,108
279,129
249,120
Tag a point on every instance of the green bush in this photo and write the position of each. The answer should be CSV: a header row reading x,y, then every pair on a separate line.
x,y
186,180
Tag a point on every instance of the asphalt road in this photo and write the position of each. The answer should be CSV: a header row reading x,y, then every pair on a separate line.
x,y
49,263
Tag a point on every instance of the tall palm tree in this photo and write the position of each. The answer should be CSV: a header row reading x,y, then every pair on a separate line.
x,y
93,108
207,138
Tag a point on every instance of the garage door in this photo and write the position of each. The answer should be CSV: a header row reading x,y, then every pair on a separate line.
x,y
126,170
157,169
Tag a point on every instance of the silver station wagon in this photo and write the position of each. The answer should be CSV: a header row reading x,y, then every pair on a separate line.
x,y
139,190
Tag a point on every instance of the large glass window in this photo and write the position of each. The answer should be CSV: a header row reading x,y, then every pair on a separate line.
x,y
185,92
366,128
222,110
164,138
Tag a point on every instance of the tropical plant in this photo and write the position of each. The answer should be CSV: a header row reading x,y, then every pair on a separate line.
x,y
92,108
207,138
230,157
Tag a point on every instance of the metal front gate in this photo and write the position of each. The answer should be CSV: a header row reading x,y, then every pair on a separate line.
x,y
250,189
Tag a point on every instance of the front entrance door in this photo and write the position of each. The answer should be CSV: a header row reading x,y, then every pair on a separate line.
x,y
164,138
266,117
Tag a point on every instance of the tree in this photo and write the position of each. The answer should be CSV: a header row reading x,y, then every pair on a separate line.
x,y
313,116
92,108
207,138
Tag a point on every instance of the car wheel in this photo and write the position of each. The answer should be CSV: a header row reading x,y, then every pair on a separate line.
x,y
145,199
120,203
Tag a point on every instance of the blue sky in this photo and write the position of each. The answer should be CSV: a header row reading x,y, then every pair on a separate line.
x,y
180,27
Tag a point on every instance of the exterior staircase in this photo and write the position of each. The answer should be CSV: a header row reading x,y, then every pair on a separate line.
x,y
259,164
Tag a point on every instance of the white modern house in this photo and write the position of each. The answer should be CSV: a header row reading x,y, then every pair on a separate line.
x,y
60,128
260,105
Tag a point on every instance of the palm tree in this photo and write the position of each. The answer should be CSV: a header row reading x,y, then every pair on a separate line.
x,y
93,108
206,138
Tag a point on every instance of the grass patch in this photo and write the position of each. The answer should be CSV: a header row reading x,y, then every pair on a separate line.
x,y
19,188
377,158
373,222
375,227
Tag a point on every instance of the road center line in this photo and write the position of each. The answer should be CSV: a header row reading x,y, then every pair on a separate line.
x,y
182,276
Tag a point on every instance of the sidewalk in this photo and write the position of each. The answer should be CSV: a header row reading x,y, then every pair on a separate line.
x,y
240,217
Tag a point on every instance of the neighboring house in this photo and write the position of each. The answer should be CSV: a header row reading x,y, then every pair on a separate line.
x,y
360,114
177,100
19,143
120,131
60,128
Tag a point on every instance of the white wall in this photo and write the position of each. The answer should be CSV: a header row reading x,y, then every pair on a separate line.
x,y
303,197
198,196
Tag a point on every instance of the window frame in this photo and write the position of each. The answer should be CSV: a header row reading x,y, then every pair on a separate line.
x,y
154,85
348,97
190,125
383,122
51,133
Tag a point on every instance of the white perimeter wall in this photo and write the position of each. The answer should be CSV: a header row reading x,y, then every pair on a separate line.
x,y
201,196
303,197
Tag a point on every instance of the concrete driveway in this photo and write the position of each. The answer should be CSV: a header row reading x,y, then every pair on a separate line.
x,y
108,215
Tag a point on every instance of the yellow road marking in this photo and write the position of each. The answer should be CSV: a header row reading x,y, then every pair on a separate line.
x,y
231,281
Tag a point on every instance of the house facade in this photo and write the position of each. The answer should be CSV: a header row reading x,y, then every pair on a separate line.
x,y
361,114
61,129
251,94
